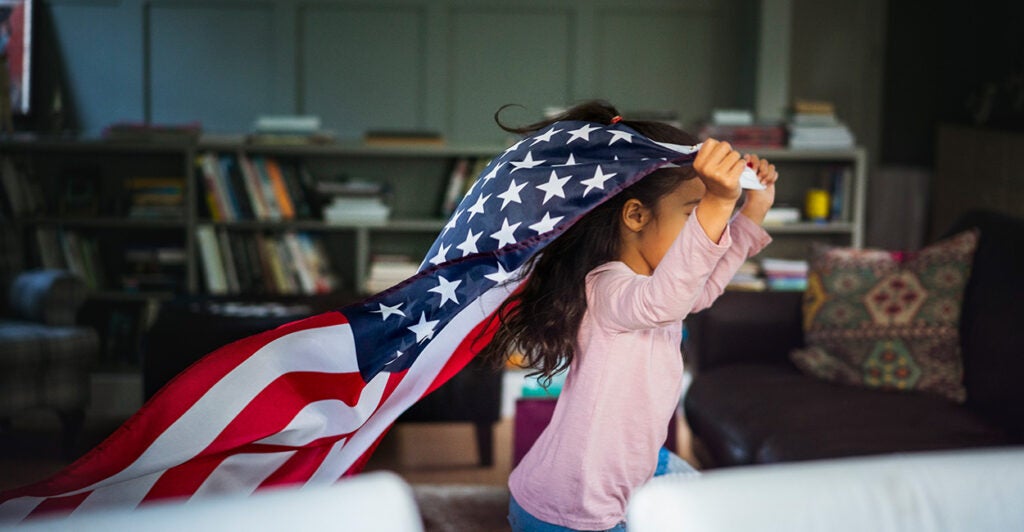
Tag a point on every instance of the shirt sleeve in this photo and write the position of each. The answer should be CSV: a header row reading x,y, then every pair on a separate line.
x,y
623,301
748,239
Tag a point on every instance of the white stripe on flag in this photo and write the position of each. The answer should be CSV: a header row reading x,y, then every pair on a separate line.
x,y
108,496
241,473
325,473
428,365
330,417
329,349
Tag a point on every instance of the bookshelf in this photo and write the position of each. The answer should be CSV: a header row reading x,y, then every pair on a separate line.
x,y
415,178
98,211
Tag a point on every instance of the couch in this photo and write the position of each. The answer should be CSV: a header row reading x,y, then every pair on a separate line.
x,y
45,358
748,404
977,490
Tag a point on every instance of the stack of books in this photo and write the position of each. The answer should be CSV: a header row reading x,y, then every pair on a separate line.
x,y
815,125
783,274
155,197
781,215
148,267
388,270
738,127
354,202
289,129
748,277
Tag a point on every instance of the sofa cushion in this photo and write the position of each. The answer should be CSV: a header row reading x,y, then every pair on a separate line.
x,y
888,319
758,413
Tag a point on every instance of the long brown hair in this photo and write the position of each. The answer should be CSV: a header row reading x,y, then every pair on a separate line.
x,y
541,320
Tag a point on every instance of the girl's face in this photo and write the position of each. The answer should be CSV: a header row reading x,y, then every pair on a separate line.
x,y
665,222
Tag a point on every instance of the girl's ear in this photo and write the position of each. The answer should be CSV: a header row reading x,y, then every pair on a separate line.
x,y
635,215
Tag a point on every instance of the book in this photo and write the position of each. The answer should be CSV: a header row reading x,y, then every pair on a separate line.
x,y
456,186
234,188
228,260
254,188
782,214
269,196
215,195
284,201
387,270
213,267
155,197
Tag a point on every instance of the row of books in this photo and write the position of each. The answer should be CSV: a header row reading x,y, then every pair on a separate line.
x,y
285,263
155,197
21,196
140,266
240,187
771,274
464,174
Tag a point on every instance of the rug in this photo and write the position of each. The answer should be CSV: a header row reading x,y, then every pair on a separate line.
x,y
462,507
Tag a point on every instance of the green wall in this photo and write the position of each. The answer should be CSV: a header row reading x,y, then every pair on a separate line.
x,y
445,65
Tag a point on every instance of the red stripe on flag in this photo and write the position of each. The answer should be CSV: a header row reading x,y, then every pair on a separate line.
x,y
472,344
132,438
58,504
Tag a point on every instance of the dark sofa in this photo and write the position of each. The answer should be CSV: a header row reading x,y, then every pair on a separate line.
x,y
748,404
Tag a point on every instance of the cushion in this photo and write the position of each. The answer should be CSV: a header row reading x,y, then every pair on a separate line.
x,y
888,319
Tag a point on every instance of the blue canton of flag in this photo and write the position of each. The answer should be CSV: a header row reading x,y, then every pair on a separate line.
x,y
522,200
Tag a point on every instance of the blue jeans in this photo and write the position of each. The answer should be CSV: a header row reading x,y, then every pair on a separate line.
x,y
522,521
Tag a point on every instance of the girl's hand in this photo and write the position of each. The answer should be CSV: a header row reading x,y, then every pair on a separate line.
x,y
759,201
719,167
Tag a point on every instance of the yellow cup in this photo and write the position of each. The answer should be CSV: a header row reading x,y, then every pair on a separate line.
x,y
816,205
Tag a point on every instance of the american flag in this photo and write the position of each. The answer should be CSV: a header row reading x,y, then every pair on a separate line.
x,y
306,403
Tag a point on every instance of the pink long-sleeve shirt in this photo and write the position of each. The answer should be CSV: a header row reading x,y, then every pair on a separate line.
x,y
626,379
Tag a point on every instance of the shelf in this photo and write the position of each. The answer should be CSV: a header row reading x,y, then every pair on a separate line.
x,y
811,156
110,222
411,225
811,228
114,295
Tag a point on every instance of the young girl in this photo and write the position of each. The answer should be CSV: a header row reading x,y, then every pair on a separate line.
x,y
606,300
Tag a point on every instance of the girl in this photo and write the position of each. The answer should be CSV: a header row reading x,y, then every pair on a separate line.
x,y
606,300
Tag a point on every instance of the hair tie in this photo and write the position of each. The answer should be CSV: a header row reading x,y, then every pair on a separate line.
x,y
616,119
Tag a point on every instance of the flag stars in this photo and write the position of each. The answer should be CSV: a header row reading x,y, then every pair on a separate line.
x,y
512,194
553,187
452,222
571,161
507,233
620,135
469,244
478,207
547,223
527,162
397,355
424,330
597,181
499,276
442,254
446,289
546,136
494,172
582,133
386,311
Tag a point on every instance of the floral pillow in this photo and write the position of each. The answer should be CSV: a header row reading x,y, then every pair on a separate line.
x,y
888,319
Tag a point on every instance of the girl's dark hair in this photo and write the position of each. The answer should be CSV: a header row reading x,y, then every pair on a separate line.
x,y
541,320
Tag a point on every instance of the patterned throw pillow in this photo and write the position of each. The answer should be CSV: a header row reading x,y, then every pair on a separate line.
x,y
888,319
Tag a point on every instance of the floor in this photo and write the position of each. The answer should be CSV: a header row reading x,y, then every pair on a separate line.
x,y
438,459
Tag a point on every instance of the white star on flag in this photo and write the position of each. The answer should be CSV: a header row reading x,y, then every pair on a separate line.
x,y
512,194
447,290
514,147
553,187
546,223
442,254
571,161
506,234
386,311
499,276
582,133
620,135
478,207
452,223
469,244
398,355
494,172
546,136
597,181
424,330
527,162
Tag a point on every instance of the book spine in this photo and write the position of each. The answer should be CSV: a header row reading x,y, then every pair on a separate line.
x,y
268,188
301,264
280,190
254,187
214,197
233,201
213,269
228,260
